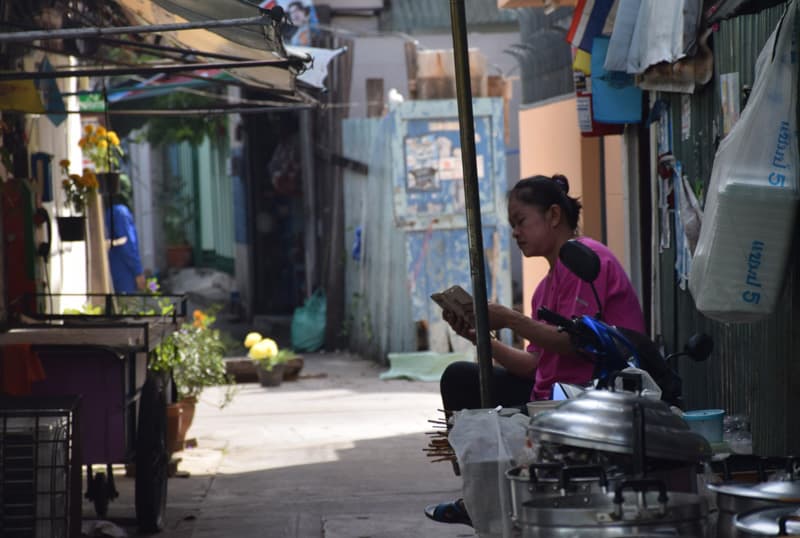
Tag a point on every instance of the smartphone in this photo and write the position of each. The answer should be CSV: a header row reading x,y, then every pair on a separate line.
x,y
457,300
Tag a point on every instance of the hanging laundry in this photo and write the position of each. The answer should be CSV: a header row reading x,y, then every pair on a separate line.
x,y
649,32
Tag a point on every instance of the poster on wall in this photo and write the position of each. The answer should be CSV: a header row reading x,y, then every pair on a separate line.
x,y
304,28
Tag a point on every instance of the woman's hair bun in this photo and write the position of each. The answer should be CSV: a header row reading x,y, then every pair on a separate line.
x,y
562,182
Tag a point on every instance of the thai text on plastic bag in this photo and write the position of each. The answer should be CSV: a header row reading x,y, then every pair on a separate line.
x,y
741,258
487,445
308,323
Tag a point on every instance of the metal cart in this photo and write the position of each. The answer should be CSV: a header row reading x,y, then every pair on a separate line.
x,y
104,359
40,477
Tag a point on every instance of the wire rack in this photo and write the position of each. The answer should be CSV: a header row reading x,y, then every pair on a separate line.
x,y
39,467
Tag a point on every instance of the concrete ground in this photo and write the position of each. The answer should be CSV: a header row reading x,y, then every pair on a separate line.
x,y
336,454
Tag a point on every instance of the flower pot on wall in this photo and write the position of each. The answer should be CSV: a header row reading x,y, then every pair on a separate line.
x,y
108,182
179,256
71,228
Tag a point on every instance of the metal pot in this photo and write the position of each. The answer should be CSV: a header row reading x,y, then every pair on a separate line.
x,y
650,511
527,482
775,521
604,420
733,499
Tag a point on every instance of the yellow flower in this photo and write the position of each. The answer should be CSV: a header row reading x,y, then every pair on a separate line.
x,y
251,339
113,139
102,143
88,128
263,349
101,131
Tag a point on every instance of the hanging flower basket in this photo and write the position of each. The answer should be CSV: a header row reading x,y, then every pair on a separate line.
x,y
71,228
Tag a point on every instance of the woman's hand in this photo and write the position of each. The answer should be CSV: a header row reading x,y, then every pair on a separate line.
x,y
460,325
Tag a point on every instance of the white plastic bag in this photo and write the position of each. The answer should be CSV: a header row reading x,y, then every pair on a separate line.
x,y
487,445
742,254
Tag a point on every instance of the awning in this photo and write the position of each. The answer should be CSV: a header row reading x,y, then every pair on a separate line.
x,y
247,43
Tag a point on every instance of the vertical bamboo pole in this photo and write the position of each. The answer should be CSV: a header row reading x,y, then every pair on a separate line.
x,y
472,197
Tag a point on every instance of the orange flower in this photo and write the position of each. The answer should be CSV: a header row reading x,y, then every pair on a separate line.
x,y
199,318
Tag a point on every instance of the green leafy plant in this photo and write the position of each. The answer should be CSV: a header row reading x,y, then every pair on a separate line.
x,y
86,309
192,129
176,210
195,354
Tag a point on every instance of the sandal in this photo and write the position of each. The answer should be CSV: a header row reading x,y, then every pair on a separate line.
x,y
450,512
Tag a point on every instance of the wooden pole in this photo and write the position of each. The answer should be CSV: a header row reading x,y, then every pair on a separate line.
x,y
472,198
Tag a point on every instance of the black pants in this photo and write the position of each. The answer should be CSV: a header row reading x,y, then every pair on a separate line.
x,y
460,387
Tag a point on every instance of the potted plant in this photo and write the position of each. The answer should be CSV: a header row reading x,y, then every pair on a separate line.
x,y
77,189
270,362
195,355
102,147
177,217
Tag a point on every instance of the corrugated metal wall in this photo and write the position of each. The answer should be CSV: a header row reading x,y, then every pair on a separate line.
x,y
377,302
754,368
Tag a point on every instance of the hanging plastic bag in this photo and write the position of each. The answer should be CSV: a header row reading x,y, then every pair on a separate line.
x,y
742,254
308,323
487,445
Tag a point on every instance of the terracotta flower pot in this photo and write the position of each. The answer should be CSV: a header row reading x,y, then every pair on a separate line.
x,y
179,419
179,256
176,432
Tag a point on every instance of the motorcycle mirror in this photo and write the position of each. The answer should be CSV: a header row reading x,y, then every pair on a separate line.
x,y
699,347
585,263
580,259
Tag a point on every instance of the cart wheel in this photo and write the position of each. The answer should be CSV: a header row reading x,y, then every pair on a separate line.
x,y
151,456
100,494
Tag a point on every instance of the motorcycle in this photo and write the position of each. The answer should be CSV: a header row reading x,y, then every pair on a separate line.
x,y
615,348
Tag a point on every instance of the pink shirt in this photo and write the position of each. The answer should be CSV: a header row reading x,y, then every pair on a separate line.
x,y
564,293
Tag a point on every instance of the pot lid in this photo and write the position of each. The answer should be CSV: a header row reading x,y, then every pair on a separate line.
x,y
779,491
603,420
768,521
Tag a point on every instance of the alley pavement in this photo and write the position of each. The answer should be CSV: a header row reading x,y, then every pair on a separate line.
x,y
337,453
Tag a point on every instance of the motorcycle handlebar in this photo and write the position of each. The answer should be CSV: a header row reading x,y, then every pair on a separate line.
x,y
554,319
